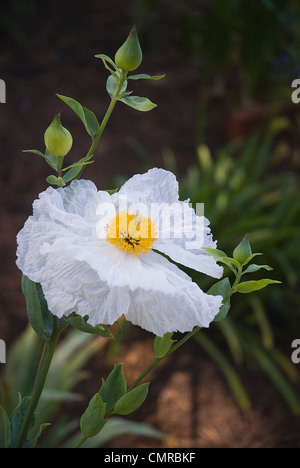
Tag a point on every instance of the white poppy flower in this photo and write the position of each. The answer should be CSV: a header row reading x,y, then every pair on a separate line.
x,y
98,255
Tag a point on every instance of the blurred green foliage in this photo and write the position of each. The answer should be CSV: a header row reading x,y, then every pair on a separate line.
x,y
243,193
66,372
260,37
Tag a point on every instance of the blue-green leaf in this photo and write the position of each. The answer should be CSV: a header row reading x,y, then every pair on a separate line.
x,y
50,158
17,418
114,387
215,253
139,103
112,85
74,170
39,316
132,400
221,257
86,116
80,324
144,76
251,257
91,121
105,59
253,268
221,288
162,344
250,286
93,419
53,180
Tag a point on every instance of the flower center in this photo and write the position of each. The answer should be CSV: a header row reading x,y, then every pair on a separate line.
x,y
131,232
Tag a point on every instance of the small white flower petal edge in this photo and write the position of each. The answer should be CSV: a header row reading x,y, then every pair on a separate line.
x,y
59,247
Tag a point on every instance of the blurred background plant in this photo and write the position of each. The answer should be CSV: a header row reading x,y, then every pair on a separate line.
x,y
67,371
225,124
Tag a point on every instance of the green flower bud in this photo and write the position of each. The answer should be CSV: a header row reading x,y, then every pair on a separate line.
x,y
58,139
129,56
243,250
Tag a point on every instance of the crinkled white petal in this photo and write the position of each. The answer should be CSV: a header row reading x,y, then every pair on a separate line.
x,y
155,186
178,305
81,272
60,217
77,288
181,307
183,236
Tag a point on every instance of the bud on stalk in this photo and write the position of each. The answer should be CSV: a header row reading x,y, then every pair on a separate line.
x,y
129,56
243,250
58,139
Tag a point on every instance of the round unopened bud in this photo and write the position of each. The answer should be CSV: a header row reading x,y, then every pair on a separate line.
x,y
243,250
129,56
58,139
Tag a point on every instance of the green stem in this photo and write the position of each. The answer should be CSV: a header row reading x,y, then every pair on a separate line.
x,y
82,440
157,360
39,383
106,117
236,282
60,160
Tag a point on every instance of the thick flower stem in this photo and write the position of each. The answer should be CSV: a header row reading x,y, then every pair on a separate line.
x,y
39,383
106,117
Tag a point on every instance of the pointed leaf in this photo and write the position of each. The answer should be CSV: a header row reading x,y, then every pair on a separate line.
x,y
74,172
132,400
144,76
16,420
92,420
112,85
5,432
81,324
230,261
139,103
162,344
253,268
50,159
221,257
111,192
39,316
91,120
53,180
86,116
107,59
215,253
249,286
114,387
221,288
39,153
251,257
79,163
31,443
223,312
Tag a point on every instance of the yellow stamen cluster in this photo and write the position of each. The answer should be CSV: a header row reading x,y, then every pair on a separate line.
x,y
133,233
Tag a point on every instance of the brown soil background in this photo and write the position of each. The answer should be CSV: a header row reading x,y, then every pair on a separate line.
x,y
50,50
